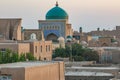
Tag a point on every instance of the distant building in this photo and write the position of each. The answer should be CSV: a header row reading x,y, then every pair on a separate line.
x,y
99,37
32,71
108,54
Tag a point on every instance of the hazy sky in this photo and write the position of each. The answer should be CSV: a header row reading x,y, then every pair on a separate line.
x,y
89,14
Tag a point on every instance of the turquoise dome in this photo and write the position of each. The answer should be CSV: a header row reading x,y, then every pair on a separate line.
x,y
56,13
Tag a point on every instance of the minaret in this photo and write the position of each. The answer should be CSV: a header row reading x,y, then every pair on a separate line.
x,y
80,30
98,29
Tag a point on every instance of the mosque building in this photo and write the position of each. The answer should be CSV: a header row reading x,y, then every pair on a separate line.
x,y
56,24
37,41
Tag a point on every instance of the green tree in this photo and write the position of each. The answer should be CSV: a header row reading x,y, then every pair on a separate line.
x,y
9,56
22,57
30,56
15,57
77,52
59,52
6,56
90,55
0,57
78,58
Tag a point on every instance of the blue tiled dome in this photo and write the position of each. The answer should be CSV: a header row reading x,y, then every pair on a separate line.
x,y
56,13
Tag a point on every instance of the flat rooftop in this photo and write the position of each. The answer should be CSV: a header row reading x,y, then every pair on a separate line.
x,y
94,68
85,73
26,64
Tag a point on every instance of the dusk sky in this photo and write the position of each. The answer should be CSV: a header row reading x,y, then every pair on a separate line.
x,y
89,14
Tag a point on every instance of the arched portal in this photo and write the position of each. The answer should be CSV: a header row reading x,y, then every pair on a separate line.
x,y
33,36
52,37
104,44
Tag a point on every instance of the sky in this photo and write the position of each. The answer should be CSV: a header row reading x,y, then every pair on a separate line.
x,y
88,14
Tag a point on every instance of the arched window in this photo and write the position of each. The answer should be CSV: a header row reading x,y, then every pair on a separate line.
x,y
53,27
33,36
46,48
44,27
47,27
41,48
49,47
58,27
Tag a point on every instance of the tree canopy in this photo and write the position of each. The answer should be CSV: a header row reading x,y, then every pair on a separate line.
x,y
76,52
9,56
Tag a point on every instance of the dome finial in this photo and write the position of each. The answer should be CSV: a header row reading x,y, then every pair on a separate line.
x,y
56,3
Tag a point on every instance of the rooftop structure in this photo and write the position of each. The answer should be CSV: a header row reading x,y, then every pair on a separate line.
x,y
85,73
25,64
96,68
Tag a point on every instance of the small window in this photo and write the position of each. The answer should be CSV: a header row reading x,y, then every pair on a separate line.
x,y
33,36
49,47
36,49
46,48
45,59
58,28
41,48
3,50
5,77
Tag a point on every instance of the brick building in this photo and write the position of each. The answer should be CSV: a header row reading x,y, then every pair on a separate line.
x,y
42,50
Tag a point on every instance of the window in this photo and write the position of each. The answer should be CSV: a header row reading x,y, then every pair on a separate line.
x,y
46,48
58,28
45,59
3,50
5,77
41,48
55,27
35,49
33,36
49,47
47,28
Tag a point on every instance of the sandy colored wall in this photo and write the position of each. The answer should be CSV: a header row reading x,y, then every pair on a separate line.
x,y
16,73
33,46
46,53
23,48
50,72
11,46
17,47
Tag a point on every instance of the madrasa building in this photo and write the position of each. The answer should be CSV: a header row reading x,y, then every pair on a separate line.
x,y
56,24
